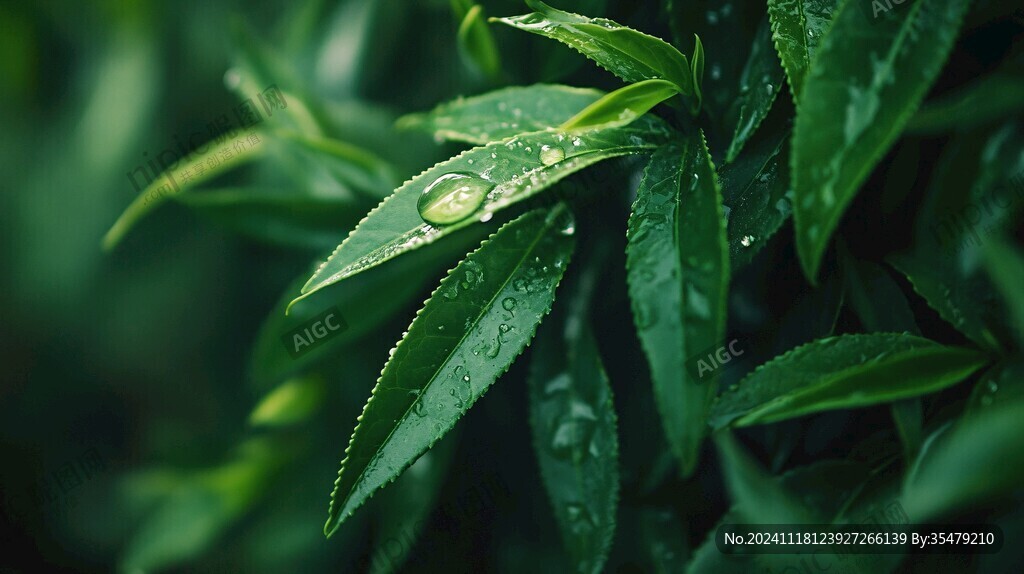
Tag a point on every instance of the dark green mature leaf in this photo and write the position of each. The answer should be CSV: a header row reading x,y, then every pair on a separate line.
x,y
1005,266
678,273
760,83
798,27
841,372
986,445
853,106
627,53
1000,385
502,113
574,435
621,106
467,334
517,169
877,299
401,515
366,302
756,193
757,496
965,301
476,44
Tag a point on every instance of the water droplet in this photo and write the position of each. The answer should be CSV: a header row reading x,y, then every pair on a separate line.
x,y
747,240
452,198
551,155
508,304
494,155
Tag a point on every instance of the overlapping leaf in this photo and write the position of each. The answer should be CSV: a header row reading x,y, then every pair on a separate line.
x,y
502,113
474,325
874,74
760,82
627,53
517,169
621,106
574,434
798,27
678,273
847,371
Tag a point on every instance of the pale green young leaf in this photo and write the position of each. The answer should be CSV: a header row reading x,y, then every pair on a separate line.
x,y
503,113
476,323
292,402
516,169
678,274
621,106
847,371
873,75
476,44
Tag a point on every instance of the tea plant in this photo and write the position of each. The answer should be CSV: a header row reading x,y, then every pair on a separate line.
x,y
752,115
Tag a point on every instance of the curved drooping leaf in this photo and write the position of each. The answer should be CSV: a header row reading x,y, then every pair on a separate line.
x,y
467,334
621,106
798,27
985,100
278,216
678,274
218,158
627,53
841,372
476,44
756,192
353,165
517,169
574,435
874,74
502,113
988,446
760,82
965,300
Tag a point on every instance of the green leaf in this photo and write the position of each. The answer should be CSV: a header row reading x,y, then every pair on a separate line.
x,y
760,83
200,167
697,69
622,106
198,511
574,436
877,299
366,302
401,515
1000,385
985,100
874,74
756,192
627,53
357,167
476,44
518,168
678,274
502,113
1006,268
277,215
986,445
292,402
965,301
847,371
467,334
798,27
757,496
